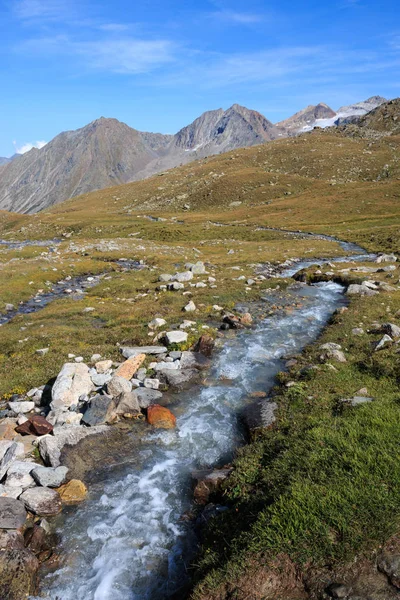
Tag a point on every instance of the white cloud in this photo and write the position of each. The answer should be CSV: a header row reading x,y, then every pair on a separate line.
x,y
124,55
28,10
128,56
28,146
242,18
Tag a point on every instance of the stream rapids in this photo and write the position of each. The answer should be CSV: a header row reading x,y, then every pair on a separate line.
x,y
128,541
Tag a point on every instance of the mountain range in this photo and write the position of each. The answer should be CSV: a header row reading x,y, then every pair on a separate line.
x,y
107,152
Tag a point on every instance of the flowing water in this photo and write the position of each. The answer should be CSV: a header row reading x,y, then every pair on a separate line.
x,y
128,540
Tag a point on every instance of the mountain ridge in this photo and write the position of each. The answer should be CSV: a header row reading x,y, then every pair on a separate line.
x,y
107,152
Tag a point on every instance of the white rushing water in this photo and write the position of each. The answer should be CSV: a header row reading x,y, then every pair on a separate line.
x,y
127,541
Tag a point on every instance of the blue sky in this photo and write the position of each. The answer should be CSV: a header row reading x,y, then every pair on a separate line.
x,y
159,64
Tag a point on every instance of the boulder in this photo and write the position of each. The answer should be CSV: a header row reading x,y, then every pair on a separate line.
x,y
386,339
198,268
12,513
73,492
128,404
160,417
42,501
194,360
21,407
4,446
389,564
51,477
190,306
145,397
185,276
72,382
118,385
259,414
35,425
127,352
180,379
164,277
360,290
103,366
332,351
10,492
205,345
208,482
100,379
156,323
50,447
392,330
386,258
176,337
175,286
14,451
19,475
130,366
151,384
100,410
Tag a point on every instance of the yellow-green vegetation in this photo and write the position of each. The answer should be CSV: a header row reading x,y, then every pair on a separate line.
x,y
324,484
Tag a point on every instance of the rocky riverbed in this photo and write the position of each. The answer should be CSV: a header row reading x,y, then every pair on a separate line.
x,y
183,412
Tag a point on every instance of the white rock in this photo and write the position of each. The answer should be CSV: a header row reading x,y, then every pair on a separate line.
x,y
42,351
187,324
190,307
156,323
151,384
103,366
185,276
21,407
79,359
95,358
72,382
176,337
163,365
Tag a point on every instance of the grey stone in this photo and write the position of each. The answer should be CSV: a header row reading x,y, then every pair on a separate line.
x,y
14,451
118,385
357,400
19,475
151,384
100,379
101,410
166,365
127,352
259,414
180,379
389,564
72,382
175,354
165,277
128,404
386,339
42,501
10,492
145,397
198,268
4,446
357,331
50,446
12,513
175,286
185,276
176,337
194,360
156,323
333,351
360,290
51,477
386,258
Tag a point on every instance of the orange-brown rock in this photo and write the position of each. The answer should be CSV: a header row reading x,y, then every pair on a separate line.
x,y
7,429
130,366
72,492
246,319
160,417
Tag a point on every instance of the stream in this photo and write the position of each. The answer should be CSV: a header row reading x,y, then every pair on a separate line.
x,y
128,541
